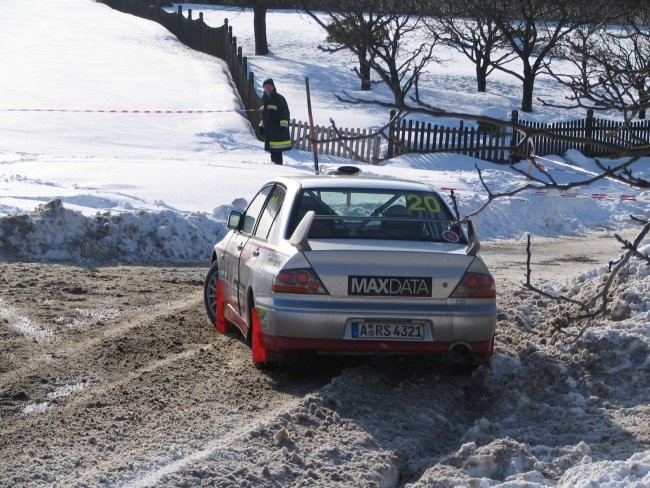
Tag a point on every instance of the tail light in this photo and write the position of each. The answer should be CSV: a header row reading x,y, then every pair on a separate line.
x,y
475,285
299,280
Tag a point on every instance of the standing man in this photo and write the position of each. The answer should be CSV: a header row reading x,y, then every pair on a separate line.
x,y
274,125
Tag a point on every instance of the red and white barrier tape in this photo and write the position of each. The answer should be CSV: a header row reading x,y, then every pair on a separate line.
x,y
595,196
564,194
122,111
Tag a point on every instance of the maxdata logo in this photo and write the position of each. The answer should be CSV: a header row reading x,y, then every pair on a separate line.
x,y
387,286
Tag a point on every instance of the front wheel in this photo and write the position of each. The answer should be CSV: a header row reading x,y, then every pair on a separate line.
x,y
213,300
210,292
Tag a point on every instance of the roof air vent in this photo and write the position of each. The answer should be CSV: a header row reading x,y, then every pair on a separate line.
x,y
344,170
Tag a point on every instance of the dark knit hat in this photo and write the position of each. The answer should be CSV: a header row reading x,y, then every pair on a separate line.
x,y
268,81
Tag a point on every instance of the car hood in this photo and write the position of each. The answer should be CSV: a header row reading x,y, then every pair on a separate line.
x,y
389,270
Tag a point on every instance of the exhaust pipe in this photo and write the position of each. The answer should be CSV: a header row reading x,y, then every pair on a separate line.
x,y
460,353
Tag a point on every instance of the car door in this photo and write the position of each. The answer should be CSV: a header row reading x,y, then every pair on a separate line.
x,y
236,246
256,248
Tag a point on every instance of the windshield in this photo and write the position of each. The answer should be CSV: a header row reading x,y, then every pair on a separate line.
x,y
377,214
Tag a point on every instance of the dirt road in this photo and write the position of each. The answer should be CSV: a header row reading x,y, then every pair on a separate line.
x,y
111,375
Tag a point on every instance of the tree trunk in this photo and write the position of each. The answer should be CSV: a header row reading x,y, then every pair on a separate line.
x,y
259,27
527,97
481,79
396,88
364,73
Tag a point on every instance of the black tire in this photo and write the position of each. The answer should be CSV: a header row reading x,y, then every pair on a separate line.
x,y
266,366
210,293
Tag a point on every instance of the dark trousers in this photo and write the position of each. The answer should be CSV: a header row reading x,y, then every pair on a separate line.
x,y
276,157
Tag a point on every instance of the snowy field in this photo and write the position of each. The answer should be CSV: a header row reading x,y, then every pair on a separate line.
x,y
95,168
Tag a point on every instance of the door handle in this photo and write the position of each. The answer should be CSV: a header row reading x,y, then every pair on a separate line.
x,y
240,247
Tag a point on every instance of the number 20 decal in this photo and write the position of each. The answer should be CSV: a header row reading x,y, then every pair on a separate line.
x,y
417,203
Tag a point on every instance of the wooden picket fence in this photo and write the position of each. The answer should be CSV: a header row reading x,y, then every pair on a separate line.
x,y
502,145
584,132
408,136
345,143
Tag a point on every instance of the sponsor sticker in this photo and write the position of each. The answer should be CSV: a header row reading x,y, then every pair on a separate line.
x,y
450,236
390,286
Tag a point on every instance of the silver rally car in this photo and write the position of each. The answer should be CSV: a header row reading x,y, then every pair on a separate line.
x,y
352,264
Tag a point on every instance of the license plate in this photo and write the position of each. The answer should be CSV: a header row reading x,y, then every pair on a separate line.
x,y
394,331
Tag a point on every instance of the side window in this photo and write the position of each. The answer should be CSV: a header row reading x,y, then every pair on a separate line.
x,y
270,212
253,211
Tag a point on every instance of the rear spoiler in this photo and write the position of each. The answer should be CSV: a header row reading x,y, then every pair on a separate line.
x,y
473,245
299,237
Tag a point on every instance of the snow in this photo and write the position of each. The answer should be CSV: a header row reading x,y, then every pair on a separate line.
x,y
86,176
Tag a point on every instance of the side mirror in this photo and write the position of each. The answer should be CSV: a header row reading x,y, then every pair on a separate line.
x,y
233,219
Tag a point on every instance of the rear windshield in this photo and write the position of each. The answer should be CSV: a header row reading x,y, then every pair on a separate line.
x,y
377,214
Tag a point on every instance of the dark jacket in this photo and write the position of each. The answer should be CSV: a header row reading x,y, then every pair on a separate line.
x,y
274,125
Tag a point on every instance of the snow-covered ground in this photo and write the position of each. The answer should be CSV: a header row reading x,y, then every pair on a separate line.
x,y
118,143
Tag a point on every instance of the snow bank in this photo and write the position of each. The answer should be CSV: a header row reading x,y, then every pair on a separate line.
x,y
54,233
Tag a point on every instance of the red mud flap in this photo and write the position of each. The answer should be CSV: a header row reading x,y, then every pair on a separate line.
x,y
261,355
484,356
220,324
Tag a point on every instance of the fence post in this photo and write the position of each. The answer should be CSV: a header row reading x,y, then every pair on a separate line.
x,y
244,75
589,132
241,75
253,103
514,135
375,150
179,17
202,27
189,28
391,134
222,43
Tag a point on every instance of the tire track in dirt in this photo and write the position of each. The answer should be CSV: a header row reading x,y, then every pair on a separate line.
x,y
151,387
78,348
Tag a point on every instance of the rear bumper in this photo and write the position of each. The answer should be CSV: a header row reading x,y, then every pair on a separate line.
x,y
371,347
307,324
316,321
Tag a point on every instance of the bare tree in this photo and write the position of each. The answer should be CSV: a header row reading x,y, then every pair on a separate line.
x,y
467,27
532,29
611,69
396,50
358,29
260,8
